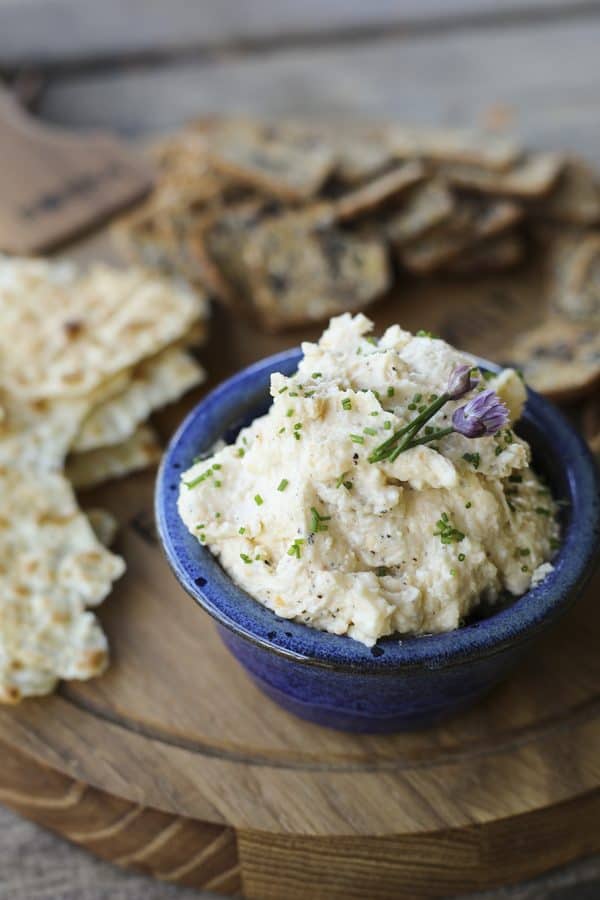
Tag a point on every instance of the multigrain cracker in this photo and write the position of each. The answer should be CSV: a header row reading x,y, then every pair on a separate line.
x,y
140,451
530,178
575,275
298,272
575,197
52,568
559,358
474,220
425,206
492,254
64,333
285,160
154,383
490,151
369,197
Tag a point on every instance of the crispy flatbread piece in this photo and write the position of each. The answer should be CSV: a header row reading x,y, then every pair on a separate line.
x,y
52,568
141,451
154,383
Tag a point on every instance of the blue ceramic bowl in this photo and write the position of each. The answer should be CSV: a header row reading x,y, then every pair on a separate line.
x,y
397,684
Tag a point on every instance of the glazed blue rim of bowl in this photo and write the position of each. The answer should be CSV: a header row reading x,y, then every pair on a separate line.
x,y
237,401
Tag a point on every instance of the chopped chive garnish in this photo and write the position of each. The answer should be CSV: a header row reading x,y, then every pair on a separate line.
x,y
371,431
347,403
473,458
461,557
432,397
453,572
294,394
524,568
374,413
541,511
380,571
218,484
294,550
241,530
201,526
216,466
417,398
245,558
199,479
317,374
446,531
357,439
309,393
297,426
258,500
296,435
524,551
387,425
282,484
412,406
391,391
468,504
290,412
317,520
240,451
422,333
282,390
498,451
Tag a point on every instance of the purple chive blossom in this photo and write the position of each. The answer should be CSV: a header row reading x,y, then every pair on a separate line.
x,y
484,414
460,382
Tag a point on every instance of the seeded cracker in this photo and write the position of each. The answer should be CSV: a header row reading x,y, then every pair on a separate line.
x,y
575,275
531,178
559,358
425,206
369,197
489,151
575,198
297,272
284,160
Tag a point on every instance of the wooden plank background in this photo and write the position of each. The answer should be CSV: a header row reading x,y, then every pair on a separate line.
x,y
141,66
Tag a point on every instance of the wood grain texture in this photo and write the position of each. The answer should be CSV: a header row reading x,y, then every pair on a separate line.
x,y
55,185
67,32
173,759
463,78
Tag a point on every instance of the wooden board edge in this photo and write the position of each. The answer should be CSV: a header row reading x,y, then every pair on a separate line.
x,y
266,866
171,848
426,865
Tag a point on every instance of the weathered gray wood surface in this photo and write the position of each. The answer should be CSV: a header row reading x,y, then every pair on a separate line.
x,y
64,32
531,63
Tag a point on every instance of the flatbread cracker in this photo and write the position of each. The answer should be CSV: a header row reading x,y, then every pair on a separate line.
x,y
425,206
575,275
52,568
559,358
367,198
298,273
141,451
490,151
104,525
533,177
488,256
285,160
64,333
154,383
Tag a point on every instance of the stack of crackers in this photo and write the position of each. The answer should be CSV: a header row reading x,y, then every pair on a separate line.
x,y
291,223
84,360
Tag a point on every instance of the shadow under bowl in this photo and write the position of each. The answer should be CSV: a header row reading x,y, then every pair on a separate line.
x,y
402,682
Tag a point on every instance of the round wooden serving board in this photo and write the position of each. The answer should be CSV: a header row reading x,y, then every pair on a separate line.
x,y
175,763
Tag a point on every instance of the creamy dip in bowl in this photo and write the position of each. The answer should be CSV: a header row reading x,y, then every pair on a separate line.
x,y
393,662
